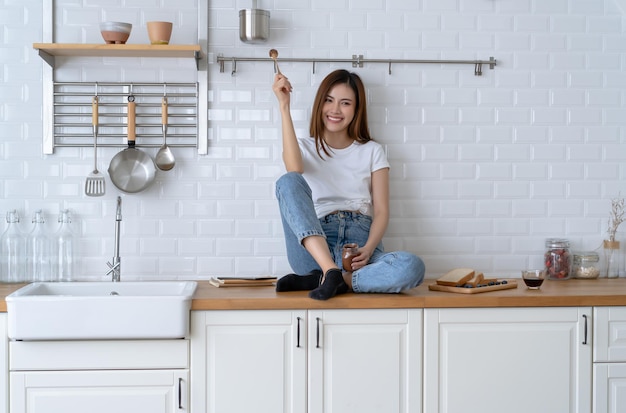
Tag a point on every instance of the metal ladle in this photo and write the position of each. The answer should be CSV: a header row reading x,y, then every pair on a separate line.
x,y
164,158
274,56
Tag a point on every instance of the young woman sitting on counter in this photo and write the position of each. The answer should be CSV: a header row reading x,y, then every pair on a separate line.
x,y
336,192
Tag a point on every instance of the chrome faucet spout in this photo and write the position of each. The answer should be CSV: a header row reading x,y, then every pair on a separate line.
x,y
115,265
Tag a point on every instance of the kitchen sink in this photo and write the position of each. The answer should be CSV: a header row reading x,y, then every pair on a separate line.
x,y
100,310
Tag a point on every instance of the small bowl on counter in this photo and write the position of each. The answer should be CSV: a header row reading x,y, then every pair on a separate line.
x,y
115,32
533,278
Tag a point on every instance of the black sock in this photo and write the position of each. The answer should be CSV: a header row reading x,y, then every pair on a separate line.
x,y
333,285
295,282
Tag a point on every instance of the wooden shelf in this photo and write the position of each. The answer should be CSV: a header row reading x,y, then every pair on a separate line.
x,y
48,51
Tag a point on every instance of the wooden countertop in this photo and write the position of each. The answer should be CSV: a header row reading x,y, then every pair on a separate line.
x,y
570,293
6,289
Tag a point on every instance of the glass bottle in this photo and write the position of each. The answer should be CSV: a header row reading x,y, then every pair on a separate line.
x,y
13,251
557,259
65,248
39,266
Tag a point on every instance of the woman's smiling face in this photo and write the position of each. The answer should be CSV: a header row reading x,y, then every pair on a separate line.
x,y
339,107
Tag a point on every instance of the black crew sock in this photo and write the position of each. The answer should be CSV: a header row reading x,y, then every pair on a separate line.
x,y
295,282
333,285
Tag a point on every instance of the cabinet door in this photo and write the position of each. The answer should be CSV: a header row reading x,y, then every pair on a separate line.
x,y
507,360
4,365
129,391
365,361
248,361
609,334
609,388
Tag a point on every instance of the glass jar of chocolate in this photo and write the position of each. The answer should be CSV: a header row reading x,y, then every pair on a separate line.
x,y
349,251
557,258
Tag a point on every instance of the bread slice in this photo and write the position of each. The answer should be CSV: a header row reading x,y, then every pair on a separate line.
x,y
476,279
458,276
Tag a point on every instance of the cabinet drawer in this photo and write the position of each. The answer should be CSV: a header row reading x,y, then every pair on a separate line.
x,y
609,334
153,391
99,355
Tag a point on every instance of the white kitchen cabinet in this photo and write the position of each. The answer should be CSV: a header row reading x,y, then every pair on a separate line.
x,y
151,391
609,387
507,360
365,361
248,361
4,365
99,376
609,334
609,356
358,361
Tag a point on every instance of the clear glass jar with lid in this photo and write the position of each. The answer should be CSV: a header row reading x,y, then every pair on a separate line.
x,y
557,258
13,251
586,265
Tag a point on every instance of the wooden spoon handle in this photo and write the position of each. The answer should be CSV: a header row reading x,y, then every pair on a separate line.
x,y
94,111
164,111
131,121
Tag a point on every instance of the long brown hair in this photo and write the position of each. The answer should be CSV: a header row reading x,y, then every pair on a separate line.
x,y
358,128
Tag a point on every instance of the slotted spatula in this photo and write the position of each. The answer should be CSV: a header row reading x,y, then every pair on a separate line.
x,y
94,185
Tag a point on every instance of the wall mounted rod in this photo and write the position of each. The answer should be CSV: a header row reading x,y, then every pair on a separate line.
x,y
124,145
357,61
139,84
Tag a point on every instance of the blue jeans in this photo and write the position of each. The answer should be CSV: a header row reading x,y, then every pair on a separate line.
x,y
390,272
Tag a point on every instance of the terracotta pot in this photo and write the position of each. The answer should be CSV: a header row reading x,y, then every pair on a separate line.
x,y
115,32
159,32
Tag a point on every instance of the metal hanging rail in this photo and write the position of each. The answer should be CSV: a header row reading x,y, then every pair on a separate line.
x,y
357,61
71,114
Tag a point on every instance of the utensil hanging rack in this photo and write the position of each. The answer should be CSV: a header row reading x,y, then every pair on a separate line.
x,y
72,114
357,61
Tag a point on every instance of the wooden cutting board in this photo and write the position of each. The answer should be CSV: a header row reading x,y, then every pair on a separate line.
x,y
242,282
476,290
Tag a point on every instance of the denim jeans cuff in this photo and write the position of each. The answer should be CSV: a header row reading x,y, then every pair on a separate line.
x,y
310,233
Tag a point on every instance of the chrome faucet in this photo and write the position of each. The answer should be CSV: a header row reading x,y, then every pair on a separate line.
x,y
115,267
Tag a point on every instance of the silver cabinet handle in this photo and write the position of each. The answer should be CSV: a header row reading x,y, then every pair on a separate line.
x,y
585,332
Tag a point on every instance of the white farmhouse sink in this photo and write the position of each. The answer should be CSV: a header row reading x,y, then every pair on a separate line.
x,y
100,310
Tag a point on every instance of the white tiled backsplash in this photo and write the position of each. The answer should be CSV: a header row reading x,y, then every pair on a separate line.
x,y
483,168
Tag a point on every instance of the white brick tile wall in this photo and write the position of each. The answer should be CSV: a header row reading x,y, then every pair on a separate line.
x,y
483,168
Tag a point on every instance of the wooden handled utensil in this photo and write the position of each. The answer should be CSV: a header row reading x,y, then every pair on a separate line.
x,y
132,170
274,56
95,183
164,158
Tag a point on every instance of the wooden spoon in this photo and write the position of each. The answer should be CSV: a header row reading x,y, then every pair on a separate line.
x,y
274,56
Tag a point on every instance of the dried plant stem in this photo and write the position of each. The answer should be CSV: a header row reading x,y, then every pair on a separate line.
x,y
616,217
611,246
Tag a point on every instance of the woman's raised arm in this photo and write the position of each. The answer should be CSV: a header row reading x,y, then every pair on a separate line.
x,y
292,158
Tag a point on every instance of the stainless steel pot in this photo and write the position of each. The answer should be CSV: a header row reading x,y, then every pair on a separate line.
x,y
254,25
132,170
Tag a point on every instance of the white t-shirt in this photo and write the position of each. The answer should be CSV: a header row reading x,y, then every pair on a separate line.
x,y
342,182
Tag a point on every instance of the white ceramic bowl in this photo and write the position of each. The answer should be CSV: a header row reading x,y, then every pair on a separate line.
x,y
115,32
